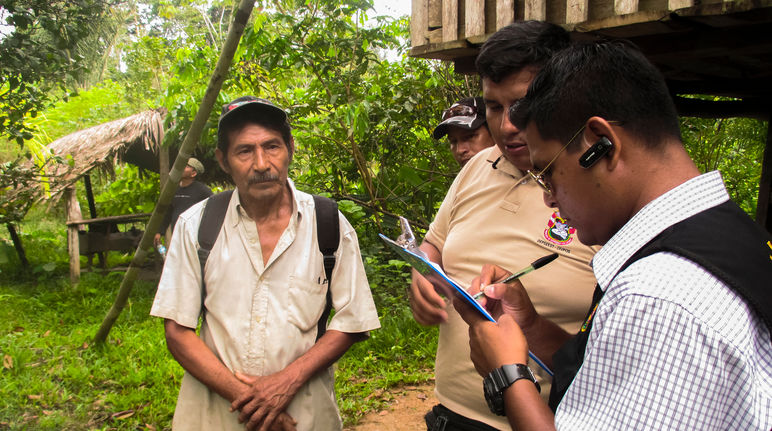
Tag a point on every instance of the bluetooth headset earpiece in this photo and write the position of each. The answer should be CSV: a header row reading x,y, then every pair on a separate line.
x,y
596,152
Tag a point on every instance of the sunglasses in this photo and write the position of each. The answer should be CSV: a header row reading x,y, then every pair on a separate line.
x,y
459,110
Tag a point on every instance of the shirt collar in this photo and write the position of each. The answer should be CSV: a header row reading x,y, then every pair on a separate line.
x,y
236,210
690,198
503,165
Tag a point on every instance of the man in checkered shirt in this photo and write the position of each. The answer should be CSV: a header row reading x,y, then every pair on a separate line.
x,y
679,333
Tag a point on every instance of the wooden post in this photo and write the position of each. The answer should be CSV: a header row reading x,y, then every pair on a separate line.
x,y
419,23
576,11
163,163
475,18
764,203
505,13
449,20
434,14
679,4
17,245
73,245
90,196
623,7
535,9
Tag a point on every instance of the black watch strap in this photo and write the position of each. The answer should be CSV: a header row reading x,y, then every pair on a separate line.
x,y
500,379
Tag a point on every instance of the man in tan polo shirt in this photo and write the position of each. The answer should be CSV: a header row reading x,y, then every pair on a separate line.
x,y
492,214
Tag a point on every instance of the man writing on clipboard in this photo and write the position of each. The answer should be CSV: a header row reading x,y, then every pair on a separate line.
x,y
492,214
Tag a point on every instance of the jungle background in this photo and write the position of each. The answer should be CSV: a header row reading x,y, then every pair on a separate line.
x,y
362,114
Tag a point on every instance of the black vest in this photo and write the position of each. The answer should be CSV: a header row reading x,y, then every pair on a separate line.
x,y
724,241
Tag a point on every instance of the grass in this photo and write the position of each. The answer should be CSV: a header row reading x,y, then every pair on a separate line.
x,y
52,378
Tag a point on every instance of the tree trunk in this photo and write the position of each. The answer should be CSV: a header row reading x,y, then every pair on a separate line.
x,y
235,31
17,245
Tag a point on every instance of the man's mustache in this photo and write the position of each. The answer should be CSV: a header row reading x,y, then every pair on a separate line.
x,y
262,178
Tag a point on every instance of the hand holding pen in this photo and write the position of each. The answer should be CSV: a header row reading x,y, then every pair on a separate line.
x,y
511,298
536,264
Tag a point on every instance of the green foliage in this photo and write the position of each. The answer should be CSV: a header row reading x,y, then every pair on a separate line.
x,y
53,380
733,146
83,109
20,185
38,55
400,353
44,240
361,123
132,192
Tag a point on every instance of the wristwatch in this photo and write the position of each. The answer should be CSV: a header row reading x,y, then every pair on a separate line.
x,y
499,380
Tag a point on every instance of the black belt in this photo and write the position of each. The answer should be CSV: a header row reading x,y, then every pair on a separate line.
x,y
440,418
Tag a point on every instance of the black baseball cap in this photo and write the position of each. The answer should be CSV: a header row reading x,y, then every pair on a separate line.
x,y
255,107
468,113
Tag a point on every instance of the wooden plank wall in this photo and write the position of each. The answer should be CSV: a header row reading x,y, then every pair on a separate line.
x,y
443,21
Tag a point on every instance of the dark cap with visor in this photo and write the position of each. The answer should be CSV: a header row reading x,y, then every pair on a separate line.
x,y
254,107
468,113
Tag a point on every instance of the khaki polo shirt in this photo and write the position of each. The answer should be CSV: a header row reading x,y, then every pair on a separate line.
x,y
259,318
487,218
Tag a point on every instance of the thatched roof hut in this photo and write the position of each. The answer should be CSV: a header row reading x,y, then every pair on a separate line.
x,y
135,139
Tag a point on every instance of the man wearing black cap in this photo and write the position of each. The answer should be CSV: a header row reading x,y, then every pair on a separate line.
x,y
493,213
463,123
263,289
188,193
678,335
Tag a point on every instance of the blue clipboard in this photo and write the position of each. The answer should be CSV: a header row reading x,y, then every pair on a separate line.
x,y
432,272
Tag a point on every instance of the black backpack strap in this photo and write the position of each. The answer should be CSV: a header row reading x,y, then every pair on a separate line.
x,y
328,236
211,222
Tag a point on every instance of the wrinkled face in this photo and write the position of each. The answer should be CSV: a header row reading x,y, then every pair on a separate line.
x,y
257,160
581,195
466,143
498,98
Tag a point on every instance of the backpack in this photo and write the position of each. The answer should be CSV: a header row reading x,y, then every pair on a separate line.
x,y
328,239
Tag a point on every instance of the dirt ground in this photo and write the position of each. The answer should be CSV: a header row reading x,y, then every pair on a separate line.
x,y
405,413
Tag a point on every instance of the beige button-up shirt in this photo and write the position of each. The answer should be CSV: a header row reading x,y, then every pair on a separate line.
x,y
487,217
259,318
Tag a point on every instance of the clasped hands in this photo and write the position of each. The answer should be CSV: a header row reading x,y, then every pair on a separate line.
x,y
264,400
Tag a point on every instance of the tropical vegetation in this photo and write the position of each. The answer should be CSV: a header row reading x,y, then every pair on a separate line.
x,y
362,112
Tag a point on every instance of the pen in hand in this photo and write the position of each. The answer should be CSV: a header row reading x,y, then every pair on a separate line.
x,y
536,264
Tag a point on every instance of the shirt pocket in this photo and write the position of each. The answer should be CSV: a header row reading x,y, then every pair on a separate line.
x,y
306,302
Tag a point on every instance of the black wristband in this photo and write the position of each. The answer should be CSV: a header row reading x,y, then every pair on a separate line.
x,y
499,380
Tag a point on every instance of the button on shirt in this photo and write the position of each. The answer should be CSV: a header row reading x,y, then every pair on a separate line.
x,y
671,347
259,318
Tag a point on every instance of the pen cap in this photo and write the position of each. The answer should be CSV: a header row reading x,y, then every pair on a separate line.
x,y
538,263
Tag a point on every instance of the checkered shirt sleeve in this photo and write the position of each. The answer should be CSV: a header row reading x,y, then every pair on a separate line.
x,y
671,347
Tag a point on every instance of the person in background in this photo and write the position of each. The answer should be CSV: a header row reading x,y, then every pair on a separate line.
x,y
188,193
260,297
464,123
494,213
678,336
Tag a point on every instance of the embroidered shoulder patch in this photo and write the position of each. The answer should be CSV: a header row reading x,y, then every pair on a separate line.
x,y
558,232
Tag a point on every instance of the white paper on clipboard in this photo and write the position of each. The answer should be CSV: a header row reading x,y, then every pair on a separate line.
x,y
432,272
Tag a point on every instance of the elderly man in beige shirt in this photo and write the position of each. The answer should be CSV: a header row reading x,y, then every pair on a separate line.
x,y
257,360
